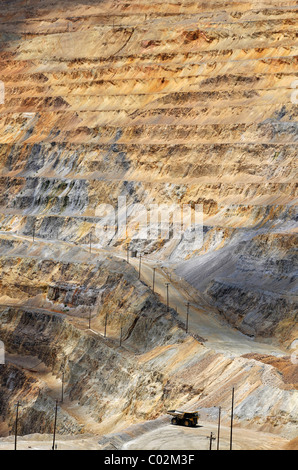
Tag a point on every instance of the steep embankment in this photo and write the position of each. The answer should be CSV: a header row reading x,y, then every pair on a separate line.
x,y
101,375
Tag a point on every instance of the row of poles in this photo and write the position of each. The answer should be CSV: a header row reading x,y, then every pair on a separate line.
x,y
211,437
105,326
167,285
139,272
18,405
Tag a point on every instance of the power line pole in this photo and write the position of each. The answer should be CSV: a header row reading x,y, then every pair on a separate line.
x,y
16,426
153,286
140,266
33,231
218,429
55,424
211,438
168,303
90,312
232,417
121,329
187,316
62,387
106,322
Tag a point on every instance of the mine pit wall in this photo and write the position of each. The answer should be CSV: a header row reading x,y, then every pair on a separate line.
x,y
95,370
158,368
181,102
240,219
36,410
117,388
108,287
252,282
248,275
257,239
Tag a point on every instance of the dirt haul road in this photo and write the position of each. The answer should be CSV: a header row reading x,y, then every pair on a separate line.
x,y
182,438
203,319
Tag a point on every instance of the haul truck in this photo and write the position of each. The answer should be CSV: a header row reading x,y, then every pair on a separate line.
x,y
184,418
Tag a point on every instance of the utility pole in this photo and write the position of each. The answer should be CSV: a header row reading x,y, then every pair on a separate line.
x,y
232,417
90,312
62,388
218,429
167,286
121,328
16,426
211,438
55,424
153,286
140,266
33,230
187,316
106,322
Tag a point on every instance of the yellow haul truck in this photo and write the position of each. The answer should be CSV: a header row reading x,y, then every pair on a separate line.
x,y
184,418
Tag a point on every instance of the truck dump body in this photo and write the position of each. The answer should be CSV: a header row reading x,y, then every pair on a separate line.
x,y
184,418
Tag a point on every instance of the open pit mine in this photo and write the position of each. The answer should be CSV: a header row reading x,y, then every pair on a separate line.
x,y
117,306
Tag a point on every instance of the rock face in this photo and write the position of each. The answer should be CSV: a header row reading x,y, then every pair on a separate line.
x,y
181,103
115,387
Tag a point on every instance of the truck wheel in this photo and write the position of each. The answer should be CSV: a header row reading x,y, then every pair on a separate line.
x,y
174,421
186,423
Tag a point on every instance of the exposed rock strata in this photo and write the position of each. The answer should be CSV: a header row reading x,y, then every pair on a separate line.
x,y
187,102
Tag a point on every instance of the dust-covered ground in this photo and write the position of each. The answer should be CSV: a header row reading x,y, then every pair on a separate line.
x,y
167,437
